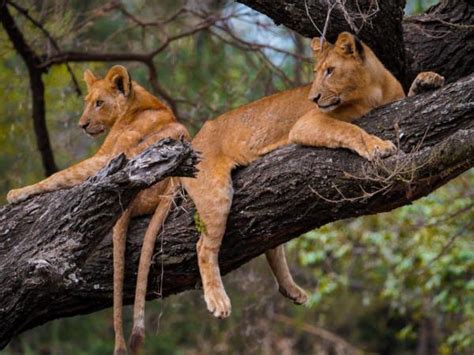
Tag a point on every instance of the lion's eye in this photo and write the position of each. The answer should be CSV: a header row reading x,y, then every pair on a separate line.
x,y
329,71
99,103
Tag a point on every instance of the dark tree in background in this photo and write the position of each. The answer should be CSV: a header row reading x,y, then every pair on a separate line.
x,y
288,192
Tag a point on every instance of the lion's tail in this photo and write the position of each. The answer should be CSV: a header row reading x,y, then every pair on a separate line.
x,y
138,331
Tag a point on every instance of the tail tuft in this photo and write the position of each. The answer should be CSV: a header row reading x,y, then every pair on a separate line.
x,y
137,339
121,351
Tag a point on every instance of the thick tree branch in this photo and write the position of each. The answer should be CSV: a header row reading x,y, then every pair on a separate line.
x,y
442,40
286,193
73,222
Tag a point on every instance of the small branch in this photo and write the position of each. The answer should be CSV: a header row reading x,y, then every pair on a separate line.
x,y
119,6
25,13
158,89
145,58
324,334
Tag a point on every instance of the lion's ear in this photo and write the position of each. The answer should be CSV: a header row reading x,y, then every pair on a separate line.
x,y
349,45
119,76
316,46
89,78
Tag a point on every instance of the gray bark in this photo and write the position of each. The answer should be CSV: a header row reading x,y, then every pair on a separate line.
x,y
56,262
46,240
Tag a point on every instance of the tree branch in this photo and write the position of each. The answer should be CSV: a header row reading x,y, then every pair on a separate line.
x,y
288,192
32,61
442,40
53,42
76,227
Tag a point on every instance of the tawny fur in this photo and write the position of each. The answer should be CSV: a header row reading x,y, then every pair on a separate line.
x,y
135,120
349,81
347,84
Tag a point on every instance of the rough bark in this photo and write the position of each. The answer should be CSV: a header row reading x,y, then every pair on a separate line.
x,y
441,39
59,231
288,192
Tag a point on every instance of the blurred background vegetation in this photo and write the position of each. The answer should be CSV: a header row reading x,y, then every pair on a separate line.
x,y
387,284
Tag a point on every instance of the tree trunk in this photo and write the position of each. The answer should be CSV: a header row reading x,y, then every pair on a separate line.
x,y
32,62
52,246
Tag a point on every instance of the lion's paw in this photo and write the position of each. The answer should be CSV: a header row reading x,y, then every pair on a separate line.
x,y
374,147
426,81
19,195
218,303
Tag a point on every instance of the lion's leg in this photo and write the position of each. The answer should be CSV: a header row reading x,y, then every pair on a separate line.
x,y
138,331
212,194
425,81
119,239
69,177
317,129
286,285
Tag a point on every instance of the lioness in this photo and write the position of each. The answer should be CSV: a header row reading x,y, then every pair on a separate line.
x,y
349,81
135,119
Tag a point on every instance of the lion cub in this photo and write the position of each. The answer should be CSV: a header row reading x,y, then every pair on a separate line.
x,y
349,81
135,120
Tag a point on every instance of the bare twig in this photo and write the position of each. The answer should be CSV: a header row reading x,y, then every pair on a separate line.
x,y
325,334
53,42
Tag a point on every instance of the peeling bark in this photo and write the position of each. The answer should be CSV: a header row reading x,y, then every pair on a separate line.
x,y
55,269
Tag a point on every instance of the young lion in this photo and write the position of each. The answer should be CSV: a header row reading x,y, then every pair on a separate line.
x,y
349,81
136,119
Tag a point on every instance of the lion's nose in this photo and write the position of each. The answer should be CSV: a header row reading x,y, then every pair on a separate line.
x,y
316,98
84,125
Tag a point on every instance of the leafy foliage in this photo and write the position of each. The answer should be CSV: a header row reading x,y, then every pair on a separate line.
x,y
416,261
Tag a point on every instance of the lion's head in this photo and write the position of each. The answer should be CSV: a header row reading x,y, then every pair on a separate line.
x,y
343,73
107,99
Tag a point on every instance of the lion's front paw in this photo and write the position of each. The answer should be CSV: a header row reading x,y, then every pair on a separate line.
x,y
426,81
218,303
374,147
18,195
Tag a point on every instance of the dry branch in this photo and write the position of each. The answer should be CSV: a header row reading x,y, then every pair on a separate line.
x,y
286,193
